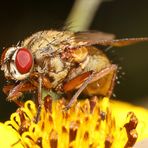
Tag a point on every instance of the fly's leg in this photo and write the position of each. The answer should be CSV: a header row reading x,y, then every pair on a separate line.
x,y
92,78
40,91
14,92
19,103
42,81
39,98
110,91
75,82
110,69
83,86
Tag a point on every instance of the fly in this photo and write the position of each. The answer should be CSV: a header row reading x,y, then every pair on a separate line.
x,y
62,62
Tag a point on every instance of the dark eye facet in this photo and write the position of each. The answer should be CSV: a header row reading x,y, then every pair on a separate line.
x,y
24,60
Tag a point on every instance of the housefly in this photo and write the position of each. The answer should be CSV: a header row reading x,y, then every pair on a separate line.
x,y
62,62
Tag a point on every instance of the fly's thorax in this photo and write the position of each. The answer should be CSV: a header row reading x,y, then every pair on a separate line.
x,y
57,70
50,40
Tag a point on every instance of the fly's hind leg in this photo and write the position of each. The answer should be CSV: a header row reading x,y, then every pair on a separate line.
x,y
92,78
109,73
83,86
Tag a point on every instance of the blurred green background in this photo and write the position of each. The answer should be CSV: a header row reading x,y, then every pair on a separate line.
x,y
124,18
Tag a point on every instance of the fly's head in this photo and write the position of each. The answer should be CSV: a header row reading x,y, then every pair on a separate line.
x,y
17,63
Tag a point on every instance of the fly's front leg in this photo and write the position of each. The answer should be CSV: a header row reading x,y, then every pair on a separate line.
x,y
15,92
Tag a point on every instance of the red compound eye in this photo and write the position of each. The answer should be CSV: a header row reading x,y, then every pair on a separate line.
x,y
23,60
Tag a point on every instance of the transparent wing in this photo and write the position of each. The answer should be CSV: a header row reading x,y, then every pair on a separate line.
x,y
104,39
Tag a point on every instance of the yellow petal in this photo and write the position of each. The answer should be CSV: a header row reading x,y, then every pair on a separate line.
x,y
120,110
9,137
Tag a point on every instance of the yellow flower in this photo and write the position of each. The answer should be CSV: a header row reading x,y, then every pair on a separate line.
x,y
90,123
9,137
